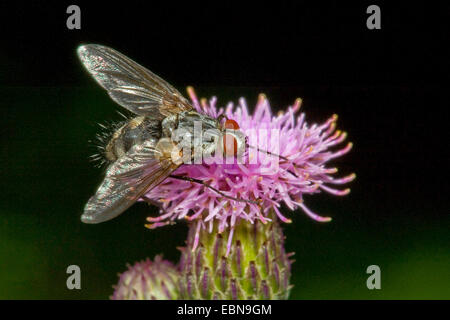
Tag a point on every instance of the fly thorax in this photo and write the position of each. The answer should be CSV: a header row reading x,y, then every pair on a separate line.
x,y
197,134
168,125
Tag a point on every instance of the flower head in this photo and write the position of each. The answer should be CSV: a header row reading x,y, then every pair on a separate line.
x,y
287,159
148,280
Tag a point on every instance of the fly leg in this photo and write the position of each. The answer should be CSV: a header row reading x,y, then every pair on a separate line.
x,y
152,202
214,189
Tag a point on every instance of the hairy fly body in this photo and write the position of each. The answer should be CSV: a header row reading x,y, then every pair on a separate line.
x,y
144,151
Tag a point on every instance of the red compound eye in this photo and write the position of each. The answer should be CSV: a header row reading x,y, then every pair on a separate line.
x,y
229,145
231,124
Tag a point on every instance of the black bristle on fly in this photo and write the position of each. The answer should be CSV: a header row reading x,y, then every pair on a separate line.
x,y
103,137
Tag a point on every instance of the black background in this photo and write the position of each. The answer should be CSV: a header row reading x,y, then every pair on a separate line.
x,y
389,88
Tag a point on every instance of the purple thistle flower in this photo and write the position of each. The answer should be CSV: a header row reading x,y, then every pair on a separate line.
x,y
148,280
301,169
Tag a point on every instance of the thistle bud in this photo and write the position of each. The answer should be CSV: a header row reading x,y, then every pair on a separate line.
x,y
148,280
254,265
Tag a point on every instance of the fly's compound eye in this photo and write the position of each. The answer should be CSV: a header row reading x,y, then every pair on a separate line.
x,y
230,145
231,124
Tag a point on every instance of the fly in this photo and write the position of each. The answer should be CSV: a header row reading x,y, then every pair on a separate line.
x,y
142,153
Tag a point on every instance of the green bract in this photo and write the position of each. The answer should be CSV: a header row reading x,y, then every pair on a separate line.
x,y
257,266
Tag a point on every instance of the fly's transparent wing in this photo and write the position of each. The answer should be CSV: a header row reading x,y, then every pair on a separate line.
x,y
131,85
143,168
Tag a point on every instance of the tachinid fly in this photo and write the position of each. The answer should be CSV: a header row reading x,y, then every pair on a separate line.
x,y
142,153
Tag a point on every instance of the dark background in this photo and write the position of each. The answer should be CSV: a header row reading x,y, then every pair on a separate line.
x,y
389,88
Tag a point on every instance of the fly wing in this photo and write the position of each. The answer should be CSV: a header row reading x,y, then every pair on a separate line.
x,y
143,168
131,85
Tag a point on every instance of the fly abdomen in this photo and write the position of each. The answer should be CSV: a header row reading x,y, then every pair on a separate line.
x,y
136,131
